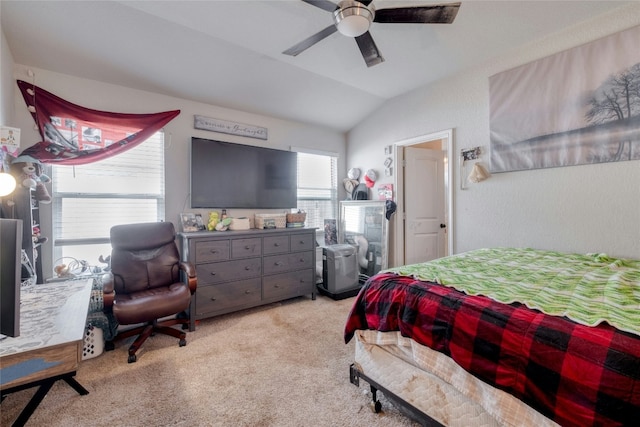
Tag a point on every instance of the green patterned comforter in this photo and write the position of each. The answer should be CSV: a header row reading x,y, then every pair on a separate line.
x,y
588,289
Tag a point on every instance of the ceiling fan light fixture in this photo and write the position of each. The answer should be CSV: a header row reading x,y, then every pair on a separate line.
x,y
353,18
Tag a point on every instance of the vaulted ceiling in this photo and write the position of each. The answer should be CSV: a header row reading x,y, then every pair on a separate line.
x,y
229,53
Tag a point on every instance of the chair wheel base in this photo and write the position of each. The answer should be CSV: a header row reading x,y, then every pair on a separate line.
x,y
132,358
182,343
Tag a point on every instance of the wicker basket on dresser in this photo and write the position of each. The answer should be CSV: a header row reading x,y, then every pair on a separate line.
x,y
242,269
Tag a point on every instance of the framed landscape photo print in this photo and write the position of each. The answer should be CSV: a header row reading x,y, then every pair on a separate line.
x,y
576,107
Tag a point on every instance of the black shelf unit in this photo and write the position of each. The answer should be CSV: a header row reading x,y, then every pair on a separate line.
x,y
21,204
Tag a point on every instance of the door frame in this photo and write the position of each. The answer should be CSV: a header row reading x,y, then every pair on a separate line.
x,y
399,226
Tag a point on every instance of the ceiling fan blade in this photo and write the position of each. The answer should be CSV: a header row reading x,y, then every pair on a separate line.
x,y
310,41
433,14
322,4
369,50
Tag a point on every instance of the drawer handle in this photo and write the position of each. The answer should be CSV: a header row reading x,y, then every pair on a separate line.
x,y
213,299
214,251
301,242
247,247
213,273
276,286
278,263
247,268
301,260
247,292
276,244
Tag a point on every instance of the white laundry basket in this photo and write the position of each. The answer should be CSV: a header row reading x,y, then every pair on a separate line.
x,y
93,342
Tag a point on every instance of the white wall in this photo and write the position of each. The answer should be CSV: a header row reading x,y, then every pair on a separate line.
x,y
92,94
7,84
591,208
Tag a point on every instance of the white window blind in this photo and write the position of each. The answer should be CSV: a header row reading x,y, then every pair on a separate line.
x,y
89,199
318,187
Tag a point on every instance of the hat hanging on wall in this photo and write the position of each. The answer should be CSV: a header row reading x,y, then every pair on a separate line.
x,y
361,192
370,178
390,208
372,174
354,173
349,185
478,173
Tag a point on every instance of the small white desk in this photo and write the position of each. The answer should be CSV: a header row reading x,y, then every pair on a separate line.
x,y
49,348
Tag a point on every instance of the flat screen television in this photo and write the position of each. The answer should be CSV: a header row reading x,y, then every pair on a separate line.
x,y
228,175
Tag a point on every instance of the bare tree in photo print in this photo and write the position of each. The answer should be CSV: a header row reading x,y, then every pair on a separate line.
x,y
617,101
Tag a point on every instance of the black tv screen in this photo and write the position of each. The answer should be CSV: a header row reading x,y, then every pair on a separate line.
x,y
228,175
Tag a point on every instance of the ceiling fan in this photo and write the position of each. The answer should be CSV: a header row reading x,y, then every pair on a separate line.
x,y
353,18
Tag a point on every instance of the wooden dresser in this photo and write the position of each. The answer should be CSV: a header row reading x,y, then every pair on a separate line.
x,y
242,269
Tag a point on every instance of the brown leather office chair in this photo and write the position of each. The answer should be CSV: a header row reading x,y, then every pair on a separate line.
x,y
145,283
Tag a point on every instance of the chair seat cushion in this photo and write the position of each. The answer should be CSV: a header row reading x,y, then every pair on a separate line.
x,y
150,304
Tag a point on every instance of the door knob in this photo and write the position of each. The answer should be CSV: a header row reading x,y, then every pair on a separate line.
x,y
443,225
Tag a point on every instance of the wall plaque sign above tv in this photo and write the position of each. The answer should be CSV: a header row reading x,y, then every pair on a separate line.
x,y
232,128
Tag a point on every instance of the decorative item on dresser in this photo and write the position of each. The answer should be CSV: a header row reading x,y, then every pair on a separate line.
x,y
242,269
297,217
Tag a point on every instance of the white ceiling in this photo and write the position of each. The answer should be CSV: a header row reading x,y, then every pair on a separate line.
x,y
229,53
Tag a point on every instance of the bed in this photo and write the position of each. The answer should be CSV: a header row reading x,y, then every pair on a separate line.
x,y
503,336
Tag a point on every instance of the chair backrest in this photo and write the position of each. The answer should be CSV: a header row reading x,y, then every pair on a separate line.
x,y
144,256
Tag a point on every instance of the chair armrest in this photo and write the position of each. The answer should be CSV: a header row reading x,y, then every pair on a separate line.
x,y
190,273
108,293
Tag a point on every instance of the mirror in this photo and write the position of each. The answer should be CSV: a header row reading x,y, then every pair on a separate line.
x,y
364,225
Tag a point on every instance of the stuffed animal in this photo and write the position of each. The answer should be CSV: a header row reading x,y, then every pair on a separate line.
x,y
223,225
29,173
37,238
213,220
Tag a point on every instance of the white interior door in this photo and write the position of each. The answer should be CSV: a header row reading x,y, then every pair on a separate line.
x,y
424,237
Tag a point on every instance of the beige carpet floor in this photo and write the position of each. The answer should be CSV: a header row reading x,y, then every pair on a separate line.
x,y
284,364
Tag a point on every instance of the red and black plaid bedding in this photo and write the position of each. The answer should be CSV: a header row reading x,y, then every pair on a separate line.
x,y
575,375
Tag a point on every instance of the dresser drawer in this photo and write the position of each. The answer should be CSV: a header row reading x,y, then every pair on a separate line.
x,y
302,242
217,298
275,245
219,272
212,250
287,262
287,285
245,248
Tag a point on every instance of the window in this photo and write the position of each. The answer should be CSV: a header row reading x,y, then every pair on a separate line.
x,y
318,187
89,199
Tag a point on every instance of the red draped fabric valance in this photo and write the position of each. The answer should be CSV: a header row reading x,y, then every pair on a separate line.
x,y
74,135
